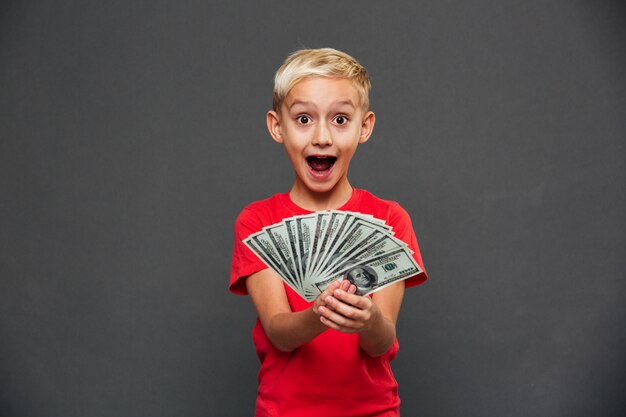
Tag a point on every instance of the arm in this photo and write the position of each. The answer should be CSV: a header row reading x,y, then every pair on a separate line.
x,y
373,318
287,330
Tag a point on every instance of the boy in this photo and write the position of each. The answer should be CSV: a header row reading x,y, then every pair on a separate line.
x,y
329,357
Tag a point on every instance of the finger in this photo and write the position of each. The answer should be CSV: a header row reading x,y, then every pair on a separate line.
x,y
332,287
347,311
338,320
323,296
328,291
330,324
335,285
329,302
326,297
359,301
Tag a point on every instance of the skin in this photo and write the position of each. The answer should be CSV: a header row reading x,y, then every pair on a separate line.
x,y
323,117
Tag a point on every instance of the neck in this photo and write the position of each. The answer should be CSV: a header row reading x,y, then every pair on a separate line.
x,y
316,201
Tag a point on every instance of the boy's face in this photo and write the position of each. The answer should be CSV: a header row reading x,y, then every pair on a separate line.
x,y
321,123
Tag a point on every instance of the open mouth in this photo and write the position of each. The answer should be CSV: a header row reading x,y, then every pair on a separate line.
x,y
321,163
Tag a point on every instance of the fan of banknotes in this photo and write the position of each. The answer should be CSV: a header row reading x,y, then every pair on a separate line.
x,y
311,251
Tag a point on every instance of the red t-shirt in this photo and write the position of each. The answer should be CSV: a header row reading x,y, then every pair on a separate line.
x,y
330,375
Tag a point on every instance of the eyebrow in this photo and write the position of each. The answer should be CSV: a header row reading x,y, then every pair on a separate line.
x,y
296,102
339,103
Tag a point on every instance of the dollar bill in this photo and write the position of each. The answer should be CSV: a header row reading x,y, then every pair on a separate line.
x,y
334,225
305,226
359,231
376,273
311,251
377,244
321,223
263,248
278,235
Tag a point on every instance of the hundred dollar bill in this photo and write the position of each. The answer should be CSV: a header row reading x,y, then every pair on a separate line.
x,y
359,231
321,223
343,221
355,242
377,272
377,244
334,223
260,244
294,245
310,251
305,225
353,220
279,236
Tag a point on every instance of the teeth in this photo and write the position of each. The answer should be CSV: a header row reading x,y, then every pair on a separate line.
x,y
320,157
321,163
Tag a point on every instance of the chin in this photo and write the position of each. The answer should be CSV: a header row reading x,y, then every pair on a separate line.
x,y
321,188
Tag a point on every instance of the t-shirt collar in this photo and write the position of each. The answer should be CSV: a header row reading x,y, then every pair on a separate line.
x,y
348,206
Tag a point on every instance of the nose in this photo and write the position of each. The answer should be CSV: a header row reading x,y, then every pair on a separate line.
x,y
322,135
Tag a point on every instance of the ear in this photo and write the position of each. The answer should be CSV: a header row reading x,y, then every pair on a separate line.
x,y
273,125
367,126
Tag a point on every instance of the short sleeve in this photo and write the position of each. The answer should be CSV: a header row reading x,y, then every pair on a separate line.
x,y
244,262
400,220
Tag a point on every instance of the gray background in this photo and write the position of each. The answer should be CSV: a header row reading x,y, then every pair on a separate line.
x,y
132,134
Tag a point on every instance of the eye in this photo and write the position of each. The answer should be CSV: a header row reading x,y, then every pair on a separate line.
x,y
341,119
303,119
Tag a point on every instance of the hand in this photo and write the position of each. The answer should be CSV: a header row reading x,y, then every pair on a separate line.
x,y
320,301
347,312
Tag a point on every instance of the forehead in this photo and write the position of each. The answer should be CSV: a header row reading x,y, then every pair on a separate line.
x,y
323,91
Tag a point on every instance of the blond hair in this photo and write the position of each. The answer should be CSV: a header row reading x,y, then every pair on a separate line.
x,y
323,62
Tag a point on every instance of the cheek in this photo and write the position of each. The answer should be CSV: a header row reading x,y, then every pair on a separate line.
x,y
348,150
293,154
348,140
